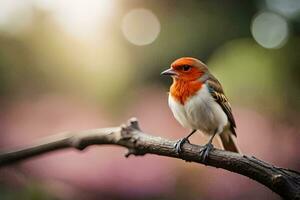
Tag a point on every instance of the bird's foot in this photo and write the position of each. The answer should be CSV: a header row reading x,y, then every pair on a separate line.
x,y
205,150
179,144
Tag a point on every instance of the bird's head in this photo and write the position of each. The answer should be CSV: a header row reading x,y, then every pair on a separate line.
x,y
187,69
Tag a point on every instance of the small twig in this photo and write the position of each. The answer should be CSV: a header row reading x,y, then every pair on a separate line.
x,y
284,182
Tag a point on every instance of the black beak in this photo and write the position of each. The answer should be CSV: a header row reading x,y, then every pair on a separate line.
x,y
169,72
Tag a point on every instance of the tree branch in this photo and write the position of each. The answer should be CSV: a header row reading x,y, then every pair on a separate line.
x,y
284,182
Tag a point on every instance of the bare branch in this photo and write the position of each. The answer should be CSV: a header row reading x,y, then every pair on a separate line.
x,y
284,182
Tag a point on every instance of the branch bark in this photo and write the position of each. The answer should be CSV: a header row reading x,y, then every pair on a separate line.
x,y
284,182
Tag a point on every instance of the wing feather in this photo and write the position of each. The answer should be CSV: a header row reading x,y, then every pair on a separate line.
x,y
217,92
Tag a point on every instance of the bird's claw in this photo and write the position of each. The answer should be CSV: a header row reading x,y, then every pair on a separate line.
x,y
205,150
179,144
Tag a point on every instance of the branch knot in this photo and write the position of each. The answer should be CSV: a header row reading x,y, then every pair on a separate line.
x,y
278,179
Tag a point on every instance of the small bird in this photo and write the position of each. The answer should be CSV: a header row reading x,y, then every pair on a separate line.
x,y
198,102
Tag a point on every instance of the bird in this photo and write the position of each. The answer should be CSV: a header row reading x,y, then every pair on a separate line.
x,y
197,101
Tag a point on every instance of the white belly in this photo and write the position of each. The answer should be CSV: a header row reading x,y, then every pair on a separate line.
x,y
200,112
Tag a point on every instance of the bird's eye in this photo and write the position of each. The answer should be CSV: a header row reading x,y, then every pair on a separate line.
x,y
186,68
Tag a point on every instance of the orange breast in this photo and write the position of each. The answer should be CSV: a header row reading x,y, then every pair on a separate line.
x,y
181,90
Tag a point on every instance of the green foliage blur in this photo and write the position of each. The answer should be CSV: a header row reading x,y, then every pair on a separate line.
x,y
44,58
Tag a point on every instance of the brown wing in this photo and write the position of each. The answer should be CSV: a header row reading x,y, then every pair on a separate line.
x,y
217,92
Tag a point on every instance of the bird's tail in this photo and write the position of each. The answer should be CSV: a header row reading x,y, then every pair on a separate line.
x,y
228,141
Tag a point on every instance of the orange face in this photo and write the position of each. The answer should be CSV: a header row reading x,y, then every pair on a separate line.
x,y
187,69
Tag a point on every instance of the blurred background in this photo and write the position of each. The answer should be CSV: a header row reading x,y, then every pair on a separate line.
x,y
68,65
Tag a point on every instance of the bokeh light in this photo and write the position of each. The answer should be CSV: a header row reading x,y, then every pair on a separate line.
x,y
80,18
140,26
15,15
288,8
270,30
